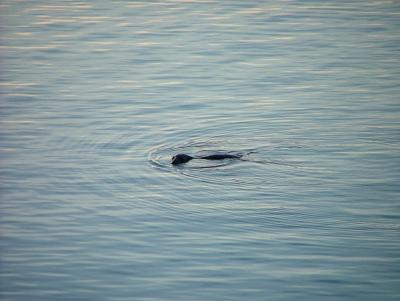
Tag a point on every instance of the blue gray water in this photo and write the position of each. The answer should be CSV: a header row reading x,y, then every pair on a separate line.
x,y
96,96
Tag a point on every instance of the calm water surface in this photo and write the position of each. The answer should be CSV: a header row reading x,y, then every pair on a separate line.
x,y
97,96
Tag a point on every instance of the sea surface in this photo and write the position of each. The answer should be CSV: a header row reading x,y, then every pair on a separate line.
x,y
97,96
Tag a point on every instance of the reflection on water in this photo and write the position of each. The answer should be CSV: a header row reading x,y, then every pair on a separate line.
x,y
97,97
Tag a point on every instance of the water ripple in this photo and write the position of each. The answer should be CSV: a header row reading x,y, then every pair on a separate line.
x,y
232,171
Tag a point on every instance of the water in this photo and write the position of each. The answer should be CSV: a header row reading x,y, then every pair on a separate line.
x,y
97,96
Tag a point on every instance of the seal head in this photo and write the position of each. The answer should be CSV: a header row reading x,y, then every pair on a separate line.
x,y
180,158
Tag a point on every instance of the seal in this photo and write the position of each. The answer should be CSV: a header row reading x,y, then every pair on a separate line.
x,y
183,158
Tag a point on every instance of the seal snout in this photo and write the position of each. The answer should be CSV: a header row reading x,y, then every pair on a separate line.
x,y
180,158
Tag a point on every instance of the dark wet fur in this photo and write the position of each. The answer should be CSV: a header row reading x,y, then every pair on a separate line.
x,y
221,157
183,158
